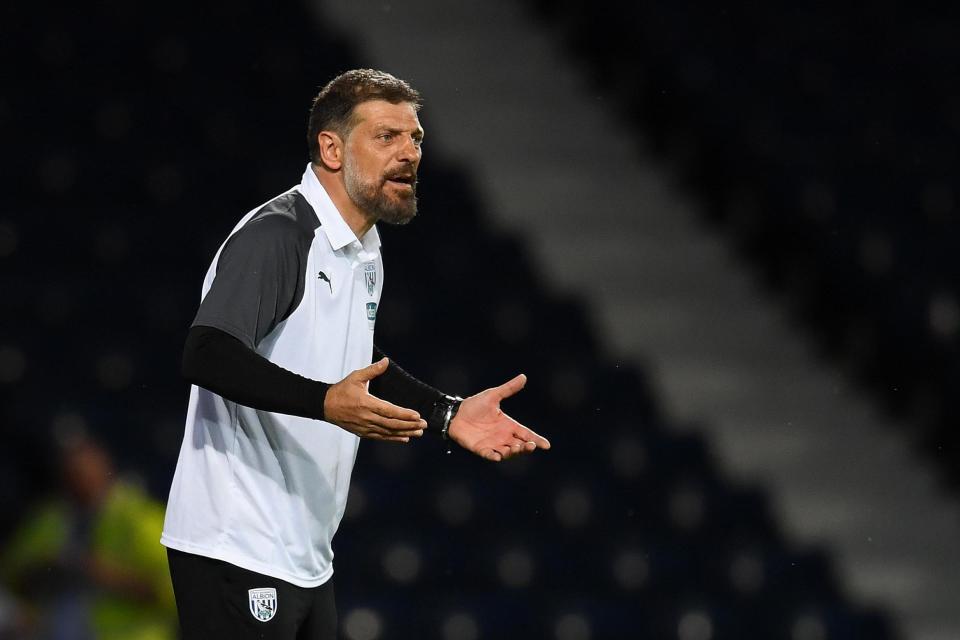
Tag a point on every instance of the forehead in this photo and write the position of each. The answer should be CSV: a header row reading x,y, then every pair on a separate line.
x,y
374,113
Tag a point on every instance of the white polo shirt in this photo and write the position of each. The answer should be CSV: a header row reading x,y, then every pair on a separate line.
x,y
261,490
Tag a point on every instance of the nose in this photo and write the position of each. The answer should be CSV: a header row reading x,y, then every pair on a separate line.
x,y
409,151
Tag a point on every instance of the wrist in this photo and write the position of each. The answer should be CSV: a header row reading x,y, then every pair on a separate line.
x,y
450,415
442,414
319,394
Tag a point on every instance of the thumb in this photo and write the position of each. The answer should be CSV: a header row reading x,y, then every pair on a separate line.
x,y
372,371
511,387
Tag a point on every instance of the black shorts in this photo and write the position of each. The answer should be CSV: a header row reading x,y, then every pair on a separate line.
x,y
216,599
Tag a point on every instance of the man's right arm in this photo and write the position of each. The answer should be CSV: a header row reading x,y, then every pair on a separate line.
x,y
215,360
258,283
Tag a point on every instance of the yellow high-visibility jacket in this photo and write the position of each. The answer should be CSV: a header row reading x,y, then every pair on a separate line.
x,y
125,533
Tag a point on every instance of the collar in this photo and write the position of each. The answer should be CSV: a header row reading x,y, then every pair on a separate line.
x,y
338,232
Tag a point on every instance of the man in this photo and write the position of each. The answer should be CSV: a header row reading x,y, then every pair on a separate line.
x,y
289,306
86,564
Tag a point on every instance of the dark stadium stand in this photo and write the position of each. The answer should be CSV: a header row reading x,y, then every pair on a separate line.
x,y
141,139
823,138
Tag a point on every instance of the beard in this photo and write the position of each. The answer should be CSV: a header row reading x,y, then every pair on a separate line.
x,y
371,196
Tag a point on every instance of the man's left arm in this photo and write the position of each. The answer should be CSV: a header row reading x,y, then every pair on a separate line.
x,y
476,423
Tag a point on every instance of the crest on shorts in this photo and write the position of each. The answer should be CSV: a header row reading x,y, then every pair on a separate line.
x,y
263,603
370,276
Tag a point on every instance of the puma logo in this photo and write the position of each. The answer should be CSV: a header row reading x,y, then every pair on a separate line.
x,y
324,277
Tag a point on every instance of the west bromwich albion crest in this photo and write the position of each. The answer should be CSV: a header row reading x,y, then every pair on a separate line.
x,y
263,603
370,276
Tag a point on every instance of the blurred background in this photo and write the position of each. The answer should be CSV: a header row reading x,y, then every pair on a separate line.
x,y
718,239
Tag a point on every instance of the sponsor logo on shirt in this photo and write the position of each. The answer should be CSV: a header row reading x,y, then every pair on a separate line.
x,y
371,314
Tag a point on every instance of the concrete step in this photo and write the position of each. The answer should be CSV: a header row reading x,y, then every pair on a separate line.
x,y
604,222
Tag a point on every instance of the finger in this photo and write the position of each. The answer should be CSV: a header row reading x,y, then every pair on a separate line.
x,y
372,371
504,451
511,387
390,410
400,431
389,426
373,435
397,434
529,435
392,424
523,446
491,455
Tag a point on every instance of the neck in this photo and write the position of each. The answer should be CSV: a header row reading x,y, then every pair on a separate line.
x,y
332,181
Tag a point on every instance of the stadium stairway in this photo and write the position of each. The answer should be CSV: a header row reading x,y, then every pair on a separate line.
x,y
604,223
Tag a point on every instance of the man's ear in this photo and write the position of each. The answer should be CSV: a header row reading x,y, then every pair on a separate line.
x,y
331,150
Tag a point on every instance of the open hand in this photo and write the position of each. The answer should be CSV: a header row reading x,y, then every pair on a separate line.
x,y
350,406
481,427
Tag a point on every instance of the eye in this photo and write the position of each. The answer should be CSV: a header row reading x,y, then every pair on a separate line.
x,y
386,137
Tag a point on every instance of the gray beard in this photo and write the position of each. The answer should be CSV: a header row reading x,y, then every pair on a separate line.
x,y
371,198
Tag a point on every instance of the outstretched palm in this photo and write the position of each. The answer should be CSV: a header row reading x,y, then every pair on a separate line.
x,y
482,427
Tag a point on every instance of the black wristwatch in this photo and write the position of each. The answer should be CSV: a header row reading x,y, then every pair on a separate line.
x,y
444,409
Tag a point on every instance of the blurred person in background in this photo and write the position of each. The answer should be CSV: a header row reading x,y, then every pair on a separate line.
x,y
86,565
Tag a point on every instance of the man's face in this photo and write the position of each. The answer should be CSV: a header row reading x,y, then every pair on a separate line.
x,y
380,161
86,473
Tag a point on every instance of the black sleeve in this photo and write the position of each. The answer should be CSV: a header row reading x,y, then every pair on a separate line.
x,y
259,279
219,362
259,282
399,387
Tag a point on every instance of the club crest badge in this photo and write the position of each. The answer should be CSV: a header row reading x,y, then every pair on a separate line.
x,y
263,603
371,314
370,276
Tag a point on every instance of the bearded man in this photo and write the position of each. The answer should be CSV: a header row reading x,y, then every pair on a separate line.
x,y
279,357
